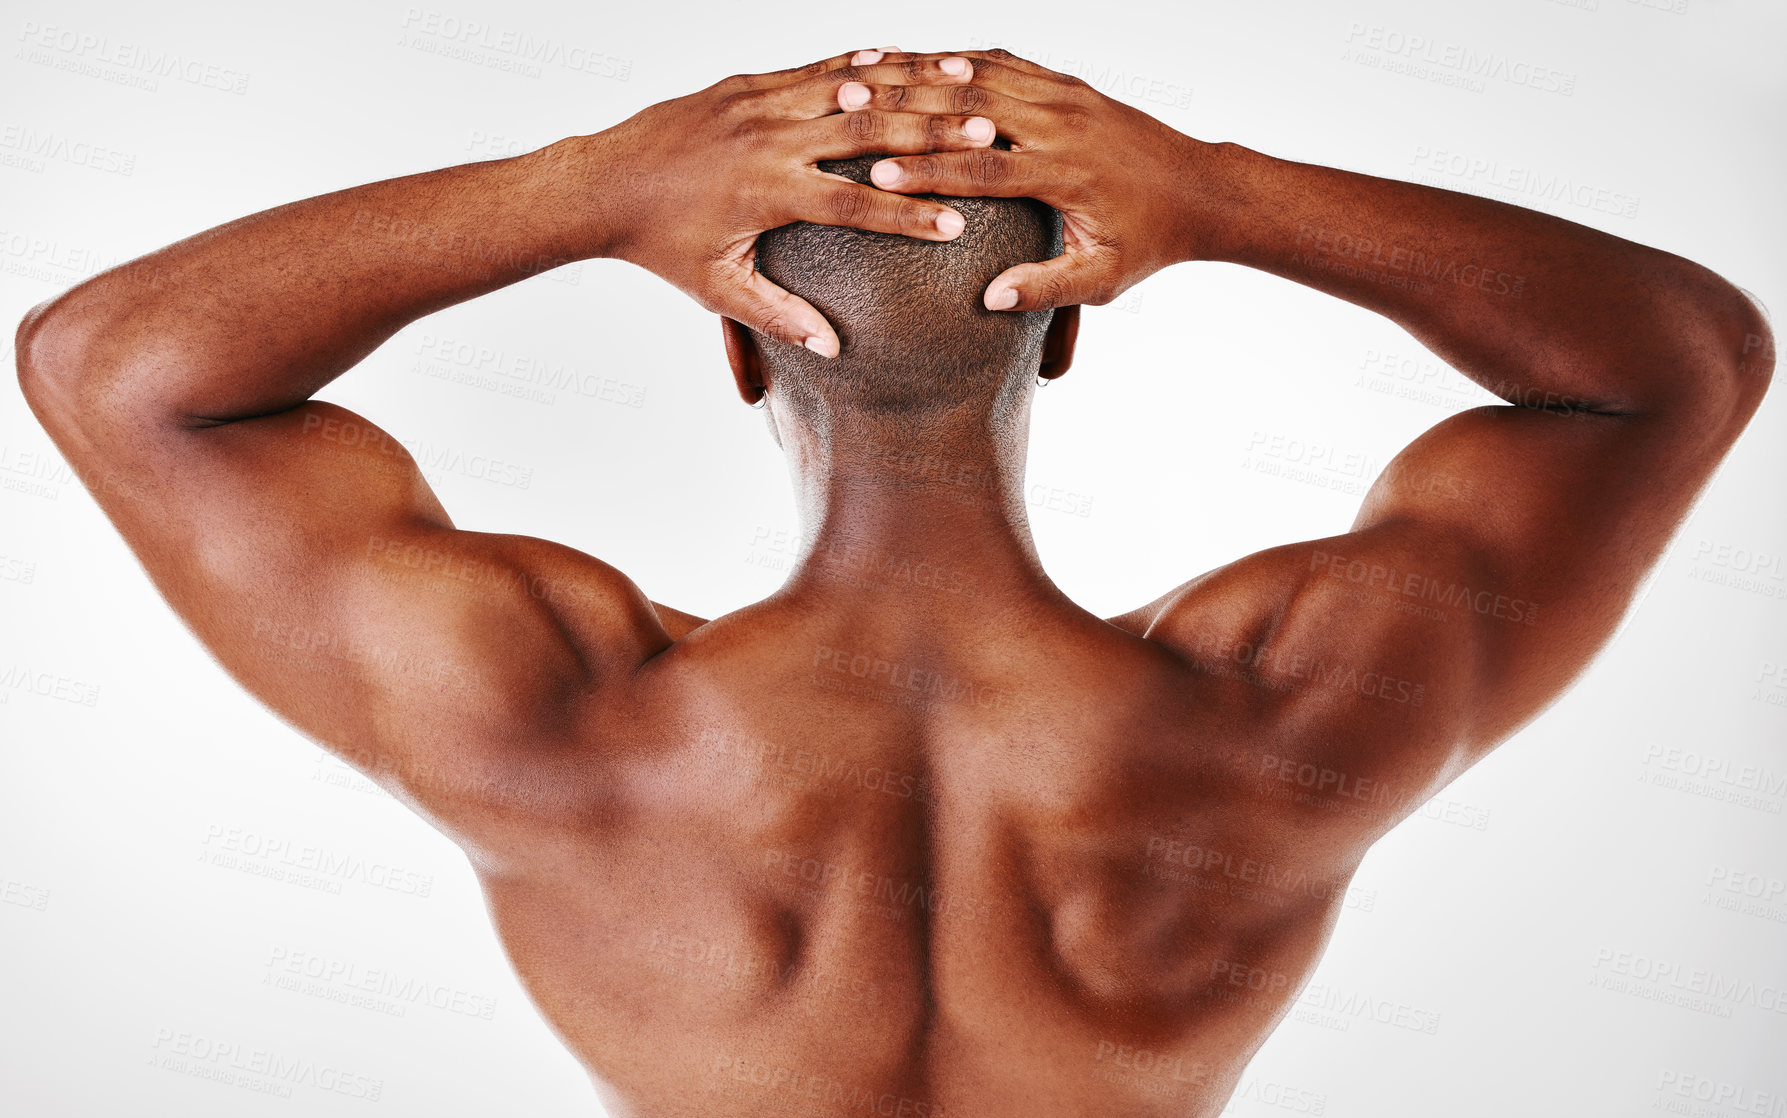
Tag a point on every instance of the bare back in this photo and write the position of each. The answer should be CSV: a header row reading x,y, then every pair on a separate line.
x,y
822,865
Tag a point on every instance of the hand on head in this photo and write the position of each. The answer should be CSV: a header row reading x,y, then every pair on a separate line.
x,y
689,184
1119,177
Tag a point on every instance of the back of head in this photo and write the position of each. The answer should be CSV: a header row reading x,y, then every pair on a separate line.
x,y
916,338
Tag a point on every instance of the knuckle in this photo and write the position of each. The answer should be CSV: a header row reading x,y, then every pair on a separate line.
x,y
966,100
940,130
1073,179
1055,290
862,128
923,168
1001,54
850,205
1074,120
772,324
844,74
745,112
896,96
987,167
1081,93
750,129
913,70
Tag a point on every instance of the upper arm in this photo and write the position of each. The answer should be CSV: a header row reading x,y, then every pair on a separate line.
x,y
1488,564
1529,532
308,553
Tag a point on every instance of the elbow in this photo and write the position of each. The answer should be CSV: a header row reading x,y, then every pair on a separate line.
x,y
41,356
1724,354
1744,359
1756,355
59,353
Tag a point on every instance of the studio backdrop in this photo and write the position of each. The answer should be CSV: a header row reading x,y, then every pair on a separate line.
x,y
202,913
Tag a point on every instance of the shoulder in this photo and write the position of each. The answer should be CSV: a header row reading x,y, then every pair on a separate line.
x,y
1358,654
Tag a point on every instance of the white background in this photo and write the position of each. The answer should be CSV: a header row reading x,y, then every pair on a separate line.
x,y
1506,913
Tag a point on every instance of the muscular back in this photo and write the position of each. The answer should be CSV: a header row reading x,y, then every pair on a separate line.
x,y
941,873
807,860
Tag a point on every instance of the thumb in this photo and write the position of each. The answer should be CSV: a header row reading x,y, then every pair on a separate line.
x,y
752,299
1061,282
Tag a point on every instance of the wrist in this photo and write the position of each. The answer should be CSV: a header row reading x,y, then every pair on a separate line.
x,y
1219,208
568,186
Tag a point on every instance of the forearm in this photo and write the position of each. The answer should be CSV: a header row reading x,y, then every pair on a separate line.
x,y
256,315
1541,311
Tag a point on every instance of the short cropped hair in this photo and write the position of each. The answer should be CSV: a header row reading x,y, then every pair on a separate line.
x,y
916,337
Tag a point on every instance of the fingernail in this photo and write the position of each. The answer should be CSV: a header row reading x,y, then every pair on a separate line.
x,y
1003,299
819,346
865,58
950,223
853,95
886,173
954,66
978,128
890,50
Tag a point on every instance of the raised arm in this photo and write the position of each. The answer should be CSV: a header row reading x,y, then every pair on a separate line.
x,y
298,540
1498,552
1628,373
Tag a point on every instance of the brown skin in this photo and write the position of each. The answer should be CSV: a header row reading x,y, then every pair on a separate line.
x,y
921,838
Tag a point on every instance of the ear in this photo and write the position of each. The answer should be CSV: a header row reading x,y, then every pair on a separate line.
x,y
746,360
1057,344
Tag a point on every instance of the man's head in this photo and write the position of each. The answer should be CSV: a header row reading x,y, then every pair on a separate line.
x,y
917,341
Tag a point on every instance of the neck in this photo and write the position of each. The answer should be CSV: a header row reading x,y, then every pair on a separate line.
x,y
926,525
